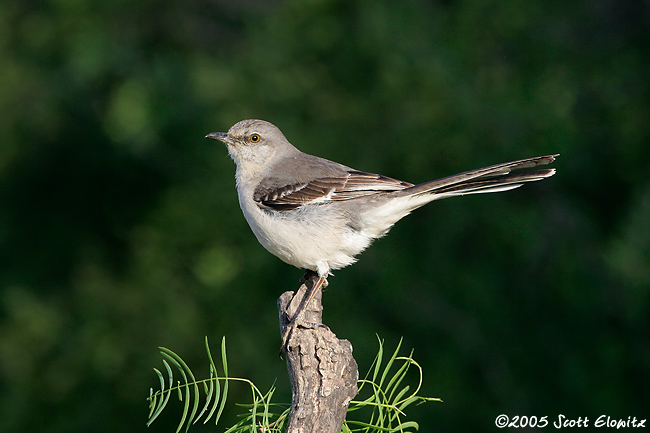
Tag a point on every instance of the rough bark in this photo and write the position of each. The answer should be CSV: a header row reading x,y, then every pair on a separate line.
x,y
322,371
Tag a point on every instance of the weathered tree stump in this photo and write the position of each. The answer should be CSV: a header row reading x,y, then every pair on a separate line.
x,y
322,371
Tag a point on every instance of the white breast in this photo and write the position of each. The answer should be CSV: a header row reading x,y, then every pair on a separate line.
x,y
309,237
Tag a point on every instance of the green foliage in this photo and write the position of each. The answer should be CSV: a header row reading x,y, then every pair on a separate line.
x,y
215,390
387,396
383,407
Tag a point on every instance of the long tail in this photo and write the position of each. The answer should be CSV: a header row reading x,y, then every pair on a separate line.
x,y
495,178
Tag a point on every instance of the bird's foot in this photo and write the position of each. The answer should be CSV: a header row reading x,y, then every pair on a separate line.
x,y
298,317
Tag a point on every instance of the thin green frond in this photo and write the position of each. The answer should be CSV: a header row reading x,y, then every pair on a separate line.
x,y
407,425
208,389
153,398
224,364
396,380
386,398
162,401
384,393
217,385
179,365
390,363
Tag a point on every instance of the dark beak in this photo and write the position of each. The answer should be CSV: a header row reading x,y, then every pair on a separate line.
x,y
221,136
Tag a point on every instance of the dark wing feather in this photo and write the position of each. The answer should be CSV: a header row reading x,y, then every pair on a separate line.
x,y
352,184
487,178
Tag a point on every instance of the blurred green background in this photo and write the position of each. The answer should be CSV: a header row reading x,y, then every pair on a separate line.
x,y
120,229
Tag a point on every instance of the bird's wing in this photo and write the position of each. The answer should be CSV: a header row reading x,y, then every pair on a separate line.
x,y
351,184
346,185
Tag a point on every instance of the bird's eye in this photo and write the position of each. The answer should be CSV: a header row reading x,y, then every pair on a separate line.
x,y
255,138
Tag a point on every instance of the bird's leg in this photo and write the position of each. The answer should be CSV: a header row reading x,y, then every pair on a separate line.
x,y
295,320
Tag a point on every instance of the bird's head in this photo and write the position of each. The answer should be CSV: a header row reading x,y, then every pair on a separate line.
x,y
253,143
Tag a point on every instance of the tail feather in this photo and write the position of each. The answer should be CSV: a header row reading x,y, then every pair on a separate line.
x,y
495,178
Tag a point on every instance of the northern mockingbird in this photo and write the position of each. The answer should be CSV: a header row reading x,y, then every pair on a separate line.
x,y
318,215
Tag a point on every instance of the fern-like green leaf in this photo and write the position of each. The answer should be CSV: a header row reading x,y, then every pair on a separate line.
x,y
217,386
184,370
208,389
389,364
389,395
224,364
385,396
224,395
378,360
162,402
396,380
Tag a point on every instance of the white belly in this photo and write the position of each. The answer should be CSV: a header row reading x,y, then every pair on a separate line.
x,y
320,242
